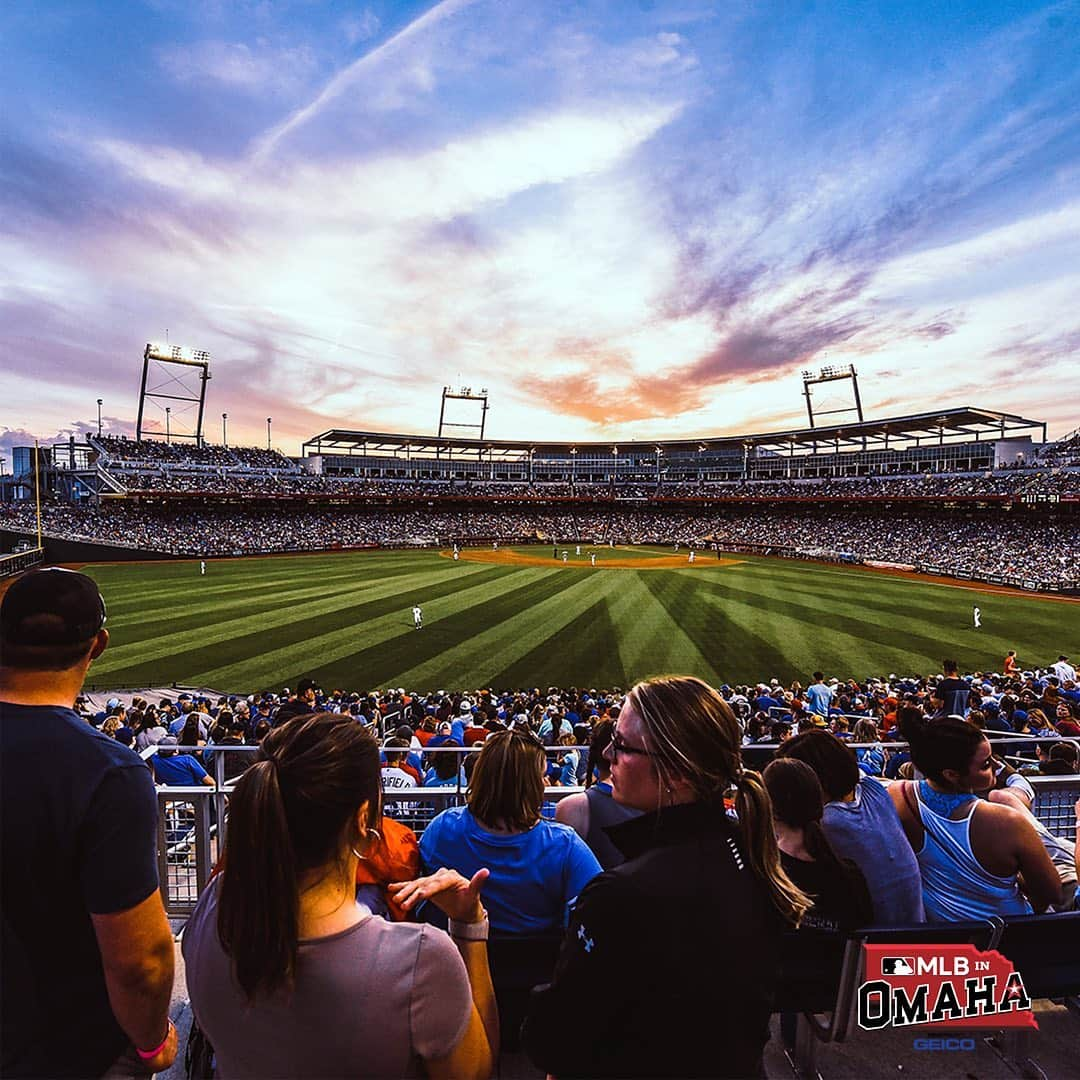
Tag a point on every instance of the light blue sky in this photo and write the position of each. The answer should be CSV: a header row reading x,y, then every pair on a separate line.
x,y
624,219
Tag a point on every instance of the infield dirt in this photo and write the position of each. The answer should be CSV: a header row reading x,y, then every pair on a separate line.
x,y
509,557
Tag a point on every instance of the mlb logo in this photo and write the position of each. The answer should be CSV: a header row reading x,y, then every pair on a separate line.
x,y
898,965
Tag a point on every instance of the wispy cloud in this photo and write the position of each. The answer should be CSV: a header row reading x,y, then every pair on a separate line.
x,y
256,68
386,53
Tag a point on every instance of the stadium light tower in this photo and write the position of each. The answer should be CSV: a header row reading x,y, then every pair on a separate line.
x,y
465,393
180,374
99,418
832,373
573,465
168,431
224,429
268,419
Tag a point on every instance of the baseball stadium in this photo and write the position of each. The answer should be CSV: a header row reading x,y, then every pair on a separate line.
x,y
458,596
867,547
601,599
443,589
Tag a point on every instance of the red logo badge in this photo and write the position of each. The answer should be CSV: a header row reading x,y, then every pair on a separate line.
x,y
947,986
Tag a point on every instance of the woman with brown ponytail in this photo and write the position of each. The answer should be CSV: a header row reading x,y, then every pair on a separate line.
x,y
837,886
671,960
288,975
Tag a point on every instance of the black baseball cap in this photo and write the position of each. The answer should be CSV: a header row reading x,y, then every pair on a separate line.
x,y
51,607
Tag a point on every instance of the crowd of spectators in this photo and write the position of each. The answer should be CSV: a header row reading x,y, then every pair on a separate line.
x,y
984,544
120,452
871,730
1023,707
253,472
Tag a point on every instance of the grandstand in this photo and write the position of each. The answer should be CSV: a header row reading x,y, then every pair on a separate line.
x,y
962,474
967,492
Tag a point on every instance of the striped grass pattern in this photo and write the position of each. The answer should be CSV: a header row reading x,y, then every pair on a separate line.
x,y
345,619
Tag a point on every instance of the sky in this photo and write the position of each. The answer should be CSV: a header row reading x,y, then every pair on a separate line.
x,y
634,219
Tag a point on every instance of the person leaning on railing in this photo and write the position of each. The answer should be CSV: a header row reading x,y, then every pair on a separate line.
x,y
288,975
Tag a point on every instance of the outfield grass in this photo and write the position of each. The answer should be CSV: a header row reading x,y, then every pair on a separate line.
x,y
345,619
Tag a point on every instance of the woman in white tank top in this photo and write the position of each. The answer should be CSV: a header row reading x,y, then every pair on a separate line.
x,y
972,854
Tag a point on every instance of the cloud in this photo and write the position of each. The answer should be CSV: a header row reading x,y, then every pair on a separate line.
x,y
358,69
258,68
360,27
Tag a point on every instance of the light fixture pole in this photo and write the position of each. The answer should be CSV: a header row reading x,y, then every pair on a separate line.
x,y
168,431
224,430
573,466
268,419
99,418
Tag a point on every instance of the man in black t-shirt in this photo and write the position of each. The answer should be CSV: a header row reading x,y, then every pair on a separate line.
x,y
951,692
87,950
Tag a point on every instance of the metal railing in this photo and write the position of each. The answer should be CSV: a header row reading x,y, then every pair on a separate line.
x,y
192,820
18,561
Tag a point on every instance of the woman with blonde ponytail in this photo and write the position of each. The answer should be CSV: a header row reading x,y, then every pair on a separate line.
x,y
674,955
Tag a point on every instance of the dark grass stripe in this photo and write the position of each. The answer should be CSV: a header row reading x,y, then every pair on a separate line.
x,y
387,660
230,650
583,652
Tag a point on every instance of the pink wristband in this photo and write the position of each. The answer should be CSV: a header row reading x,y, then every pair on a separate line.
x,y
146,1055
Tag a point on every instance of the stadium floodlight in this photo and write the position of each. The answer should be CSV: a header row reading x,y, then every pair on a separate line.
x,y
268,419
99,401
181,375
168,432
831,373
224,430
463,394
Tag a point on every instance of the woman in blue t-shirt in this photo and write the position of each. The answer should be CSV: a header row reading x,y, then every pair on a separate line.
x,y
537,866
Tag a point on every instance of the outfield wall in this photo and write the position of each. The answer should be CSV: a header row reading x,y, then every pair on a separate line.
x,y
820,555
80,551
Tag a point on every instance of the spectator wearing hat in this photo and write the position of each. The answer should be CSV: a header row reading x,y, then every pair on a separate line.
x,y
88,953
444,736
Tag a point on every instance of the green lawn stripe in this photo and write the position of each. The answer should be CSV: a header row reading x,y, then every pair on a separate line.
x,y
195,635
585,650
494,648
386,662
651,642
286,661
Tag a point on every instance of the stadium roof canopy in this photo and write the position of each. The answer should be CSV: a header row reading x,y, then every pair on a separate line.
x,y
950,425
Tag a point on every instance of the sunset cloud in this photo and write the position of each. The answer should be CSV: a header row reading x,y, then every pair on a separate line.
x,y
631,223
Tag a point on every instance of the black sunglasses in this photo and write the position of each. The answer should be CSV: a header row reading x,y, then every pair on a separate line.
x,y
617,747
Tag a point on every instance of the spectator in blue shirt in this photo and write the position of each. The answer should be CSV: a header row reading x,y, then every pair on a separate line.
x,y
177,770
818,695
537,866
